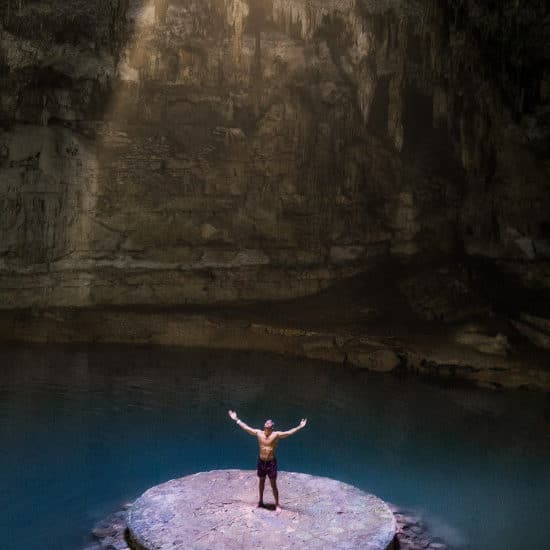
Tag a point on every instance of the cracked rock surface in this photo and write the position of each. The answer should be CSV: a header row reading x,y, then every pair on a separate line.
x,y
218,510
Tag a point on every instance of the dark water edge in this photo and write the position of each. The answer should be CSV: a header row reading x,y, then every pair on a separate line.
x,y
84,429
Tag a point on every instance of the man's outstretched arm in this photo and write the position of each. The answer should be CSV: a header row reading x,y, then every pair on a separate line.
x,y
241,424
294,430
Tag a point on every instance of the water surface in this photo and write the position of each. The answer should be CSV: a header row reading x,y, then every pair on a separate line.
x,y
85,429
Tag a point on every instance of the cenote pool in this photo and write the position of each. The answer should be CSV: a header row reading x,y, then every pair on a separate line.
x,y
85,429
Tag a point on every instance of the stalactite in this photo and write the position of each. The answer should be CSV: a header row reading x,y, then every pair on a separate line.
x,y
236,12
161,9
307,15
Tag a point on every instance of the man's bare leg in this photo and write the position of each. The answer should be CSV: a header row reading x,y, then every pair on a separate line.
x,y
261,487
275,493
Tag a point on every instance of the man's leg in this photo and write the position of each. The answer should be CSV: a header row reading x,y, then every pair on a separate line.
x,y
261,487
273,482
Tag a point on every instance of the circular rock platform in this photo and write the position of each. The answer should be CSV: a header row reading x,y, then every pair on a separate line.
x,y
218,510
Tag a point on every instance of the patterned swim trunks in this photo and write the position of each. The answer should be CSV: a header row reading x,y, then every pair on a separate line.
x,y
267,468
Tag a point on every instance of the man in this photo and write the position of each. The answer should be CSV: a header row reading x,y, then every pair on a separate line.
x,y
267,463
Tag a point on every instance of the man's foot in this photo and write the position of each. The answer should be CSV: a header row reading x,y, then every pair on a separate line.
x,y
261,504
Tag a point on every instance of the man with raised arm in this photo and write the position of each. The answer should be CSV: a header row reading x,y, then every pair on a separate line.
x,y
267,463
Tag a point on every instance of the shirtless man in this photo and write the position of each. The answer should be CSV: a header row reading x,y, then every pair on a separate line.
x,y
267,463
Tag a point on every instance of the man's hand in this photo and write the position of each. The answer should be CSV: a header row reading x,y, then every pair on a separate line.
x,y
294,430
241,424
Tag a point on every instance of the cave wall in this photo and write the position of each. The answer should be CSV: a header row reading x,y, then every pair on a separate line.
x,y
186,151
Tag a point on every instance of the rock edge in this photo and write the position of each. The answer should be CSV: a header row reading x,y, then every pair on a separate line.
x,y
218,509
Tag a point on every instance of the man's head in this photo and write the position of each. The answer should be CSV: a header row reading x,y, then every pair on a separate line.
x,y
268,426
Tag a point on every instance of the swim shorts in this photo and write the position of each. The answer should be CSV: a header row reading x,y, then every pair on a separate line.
x,y
267,468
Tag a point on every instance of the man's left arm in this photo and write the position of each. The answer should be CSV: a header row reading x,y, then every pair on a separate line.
x,y
293,430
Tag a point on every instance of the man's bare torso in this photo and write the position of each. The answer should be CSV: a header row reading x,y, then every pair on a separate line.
x,y
267,444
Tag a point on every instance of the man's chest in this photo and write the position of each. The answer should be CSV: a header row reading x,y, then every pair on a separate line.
x,y
267,441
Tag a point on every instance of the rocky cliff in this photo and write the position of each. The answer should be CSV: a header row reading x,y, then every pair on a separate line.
x,y
196,151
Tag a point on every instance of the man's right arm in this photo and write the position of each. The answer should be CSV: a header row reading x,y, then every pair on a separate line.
x,y
241,424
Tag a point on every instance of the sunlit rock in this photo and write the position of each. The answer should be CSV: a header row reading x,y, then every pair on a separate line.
x,y
176,151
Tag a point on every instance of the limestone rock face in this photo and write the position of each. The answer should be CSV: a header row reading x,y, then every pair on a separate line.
x,y
176,151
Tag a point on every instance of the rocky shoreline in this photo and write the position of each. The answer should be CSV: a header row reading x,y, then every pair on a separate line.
x,y
463,353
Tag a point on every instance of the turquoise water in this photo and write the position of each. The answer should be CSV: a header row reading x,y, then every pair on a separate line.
x,y
85,429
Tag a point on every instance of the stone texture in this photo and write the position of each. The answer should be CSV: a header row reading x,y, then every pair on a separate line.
x,y
176,151
473,337
535,329
443,294
218,510
412,531
381,360
168,153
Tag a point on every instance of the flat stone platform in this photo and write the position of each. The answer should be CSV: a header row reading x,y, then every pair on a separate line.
x,y
218,510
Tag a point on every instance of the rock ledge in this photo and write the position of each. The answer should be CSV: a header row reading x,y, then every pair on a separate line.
x,y
218,510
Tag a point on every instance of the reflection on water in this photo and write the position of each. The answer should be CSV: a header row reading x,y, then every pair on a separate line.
x,y
83,430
